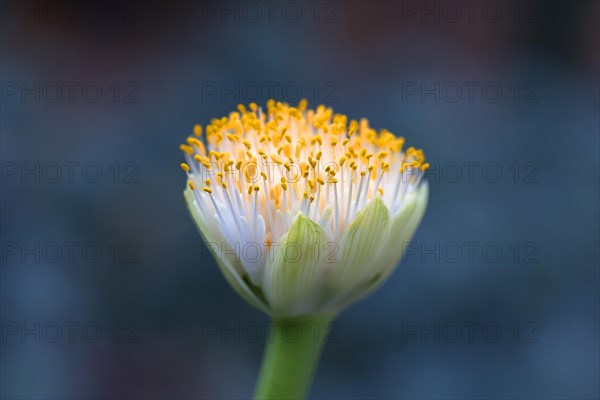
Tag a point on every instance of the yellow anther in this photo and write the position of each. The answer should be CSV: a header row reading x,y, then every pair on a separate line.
x,y
353,127
193,141
186,149
198,130
185,167
207,190
275,159
191,185
287,151
247,144
208,182
298,150
263,175
302,105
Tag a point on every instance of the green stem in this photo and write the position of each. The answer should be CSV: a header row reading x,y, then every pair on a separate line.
x,y
291,356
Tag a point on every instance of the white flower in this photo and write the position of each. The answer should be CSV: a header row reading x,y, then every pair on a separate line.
x,y
305,211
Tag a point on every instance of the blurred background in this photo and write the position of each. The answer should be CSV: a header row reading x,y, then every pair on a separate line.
x,y
106,287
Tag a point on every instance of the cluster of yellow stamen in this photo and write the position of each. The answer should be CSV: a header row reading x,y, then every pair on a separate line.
x,y
288,158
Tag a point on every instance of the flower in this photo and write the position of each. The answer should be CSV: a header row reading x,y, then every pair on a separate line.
x,y
305,211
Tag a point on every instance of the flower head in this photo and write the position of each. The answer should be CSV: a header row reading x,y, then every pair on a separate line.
x,y
305,211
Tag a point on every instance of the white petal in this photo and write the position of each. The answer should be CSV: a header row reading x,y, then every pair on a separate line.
x,y
228,265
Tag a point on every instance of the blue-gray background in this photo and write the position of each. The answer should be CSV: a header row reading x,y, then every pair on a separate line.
x,y
171,326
